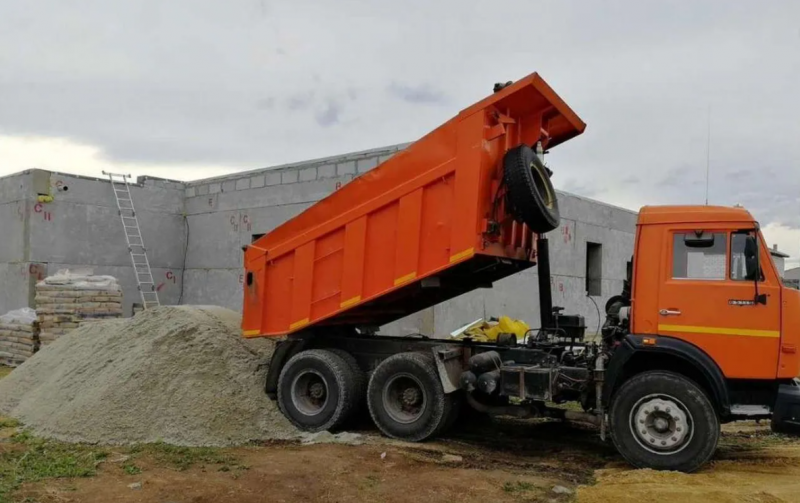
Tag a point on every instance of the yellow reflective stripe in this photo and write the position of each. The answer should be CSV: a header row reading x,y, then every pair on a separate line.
x,y
719,330
462,255
349,302
298,324
404,279
251,332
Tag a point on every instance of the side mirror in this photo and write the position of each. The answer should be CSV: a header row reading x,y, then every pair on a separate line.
x,y
699,240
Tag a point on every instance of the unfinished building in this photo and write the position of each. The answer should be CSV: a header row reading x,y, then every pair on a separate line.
x,y
194,233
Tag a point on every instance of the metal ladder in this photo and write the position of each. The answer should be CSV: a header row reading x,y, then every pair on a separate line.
x,y
133,236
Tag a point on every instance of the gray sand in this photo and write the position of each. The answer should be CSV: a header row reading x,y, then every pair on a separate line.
x,y
181,375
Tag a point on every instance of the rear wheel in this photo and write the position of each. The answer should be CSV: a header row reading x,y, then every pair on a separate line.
x,y
664,421
317,390
406,399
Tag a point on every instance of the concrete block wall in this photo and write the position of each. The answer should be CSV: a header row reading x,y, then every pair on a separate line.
x,y
15,278
80,228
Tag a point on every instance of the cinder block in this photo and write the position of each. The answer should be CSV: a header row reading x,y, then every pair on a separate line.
x,y
384,158
213,188
191,191
308,174
326,171
346,168
242,183
367,164
289,176
273,178
202,190
229,186
256,182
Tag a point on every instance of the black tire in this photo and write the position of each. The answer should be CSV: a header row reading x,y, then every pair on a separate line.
x,y
317,390
646,401
406,399
530,195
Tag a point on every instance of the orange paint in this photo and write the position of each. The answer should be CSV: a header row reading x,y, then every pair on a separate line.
x,y
361,255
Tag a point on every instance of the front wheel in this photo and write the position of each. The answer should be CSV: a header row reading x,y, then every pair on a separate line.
x,y
664,421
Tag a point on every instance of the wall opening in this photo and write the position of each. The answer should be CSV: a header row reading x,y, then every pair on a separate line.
x,y
594,269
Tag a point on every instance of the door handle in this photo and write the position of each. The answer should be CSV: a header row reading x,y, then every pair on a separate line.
x,y
669,312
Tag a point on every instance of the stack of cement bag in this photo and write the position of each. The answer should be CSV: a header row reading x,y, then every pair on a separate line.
x,y
19,336
67,299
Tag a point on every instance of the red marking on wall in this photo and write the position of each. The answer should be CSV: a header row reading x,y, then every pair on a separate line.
x,y
566,233
159,287
171,277
38,271
241,279
39,208
338,185
243,220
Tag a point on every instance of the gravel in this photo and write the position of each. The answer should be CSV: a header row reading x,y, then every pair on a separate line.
x,y
181,375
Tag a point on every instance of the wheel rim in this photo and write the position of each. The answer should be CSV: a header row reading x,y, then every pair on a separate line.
x,y
543,187
404,398
661,424
309,392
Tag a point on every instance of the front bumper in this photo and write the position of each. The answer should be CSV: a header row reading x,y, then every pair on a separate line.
x,y
786,414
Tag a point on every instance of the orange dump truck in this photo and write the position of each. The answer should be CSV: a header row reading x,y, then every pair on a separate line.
x,y
703,333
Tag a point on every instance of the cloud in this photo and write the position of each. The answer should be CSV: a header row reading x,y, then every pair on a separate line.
x,y
167,86
419,94
329,114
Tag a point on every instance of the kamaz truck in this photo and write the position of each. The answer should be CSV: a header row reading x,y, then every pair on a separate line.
x,y
703,332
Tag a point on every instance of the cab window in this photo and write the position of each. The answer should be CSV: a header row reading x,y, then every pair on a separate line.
x,y
699,255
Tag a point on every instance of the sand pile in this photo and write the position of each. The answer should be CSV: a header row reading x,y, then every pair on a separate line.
x,y
181,375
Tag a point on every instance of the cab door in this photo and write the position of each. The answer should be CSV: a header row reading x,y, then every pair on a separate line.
x,y
707,298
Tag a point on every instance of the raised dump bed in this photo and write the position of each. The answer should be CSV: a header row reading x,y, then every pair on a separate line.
x,y
427,225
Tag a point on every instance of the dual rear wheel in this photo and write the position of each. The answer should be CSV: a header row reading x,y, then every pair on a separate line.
x,y
322,389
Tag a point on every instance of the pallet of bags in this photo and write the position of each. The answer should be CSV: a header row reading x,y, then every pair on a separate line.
x,y
68,299
19,336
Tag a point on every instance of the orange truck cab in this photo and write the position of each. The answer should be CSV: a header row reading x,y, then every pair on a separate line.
x,y
703,332
706,293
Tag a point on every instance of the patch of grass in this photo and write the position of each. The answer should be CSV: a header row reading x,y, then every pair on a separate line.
x,y
30,459
4,371
183,458
8,422
517,487
131,469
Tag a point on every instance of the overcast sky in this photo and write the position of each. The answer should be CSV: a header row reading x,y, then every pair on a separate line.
x,y
191,88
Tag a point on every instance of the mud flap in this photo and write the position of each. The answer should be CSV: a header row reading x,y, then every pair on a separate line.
x,y
448,366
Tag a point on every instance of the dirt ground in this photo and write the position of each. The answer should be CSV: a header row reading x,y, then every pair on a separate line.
x,y
504,461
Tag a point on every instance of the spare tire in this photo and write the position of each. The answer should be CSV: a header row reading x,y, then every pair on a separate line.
x,y
530,195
